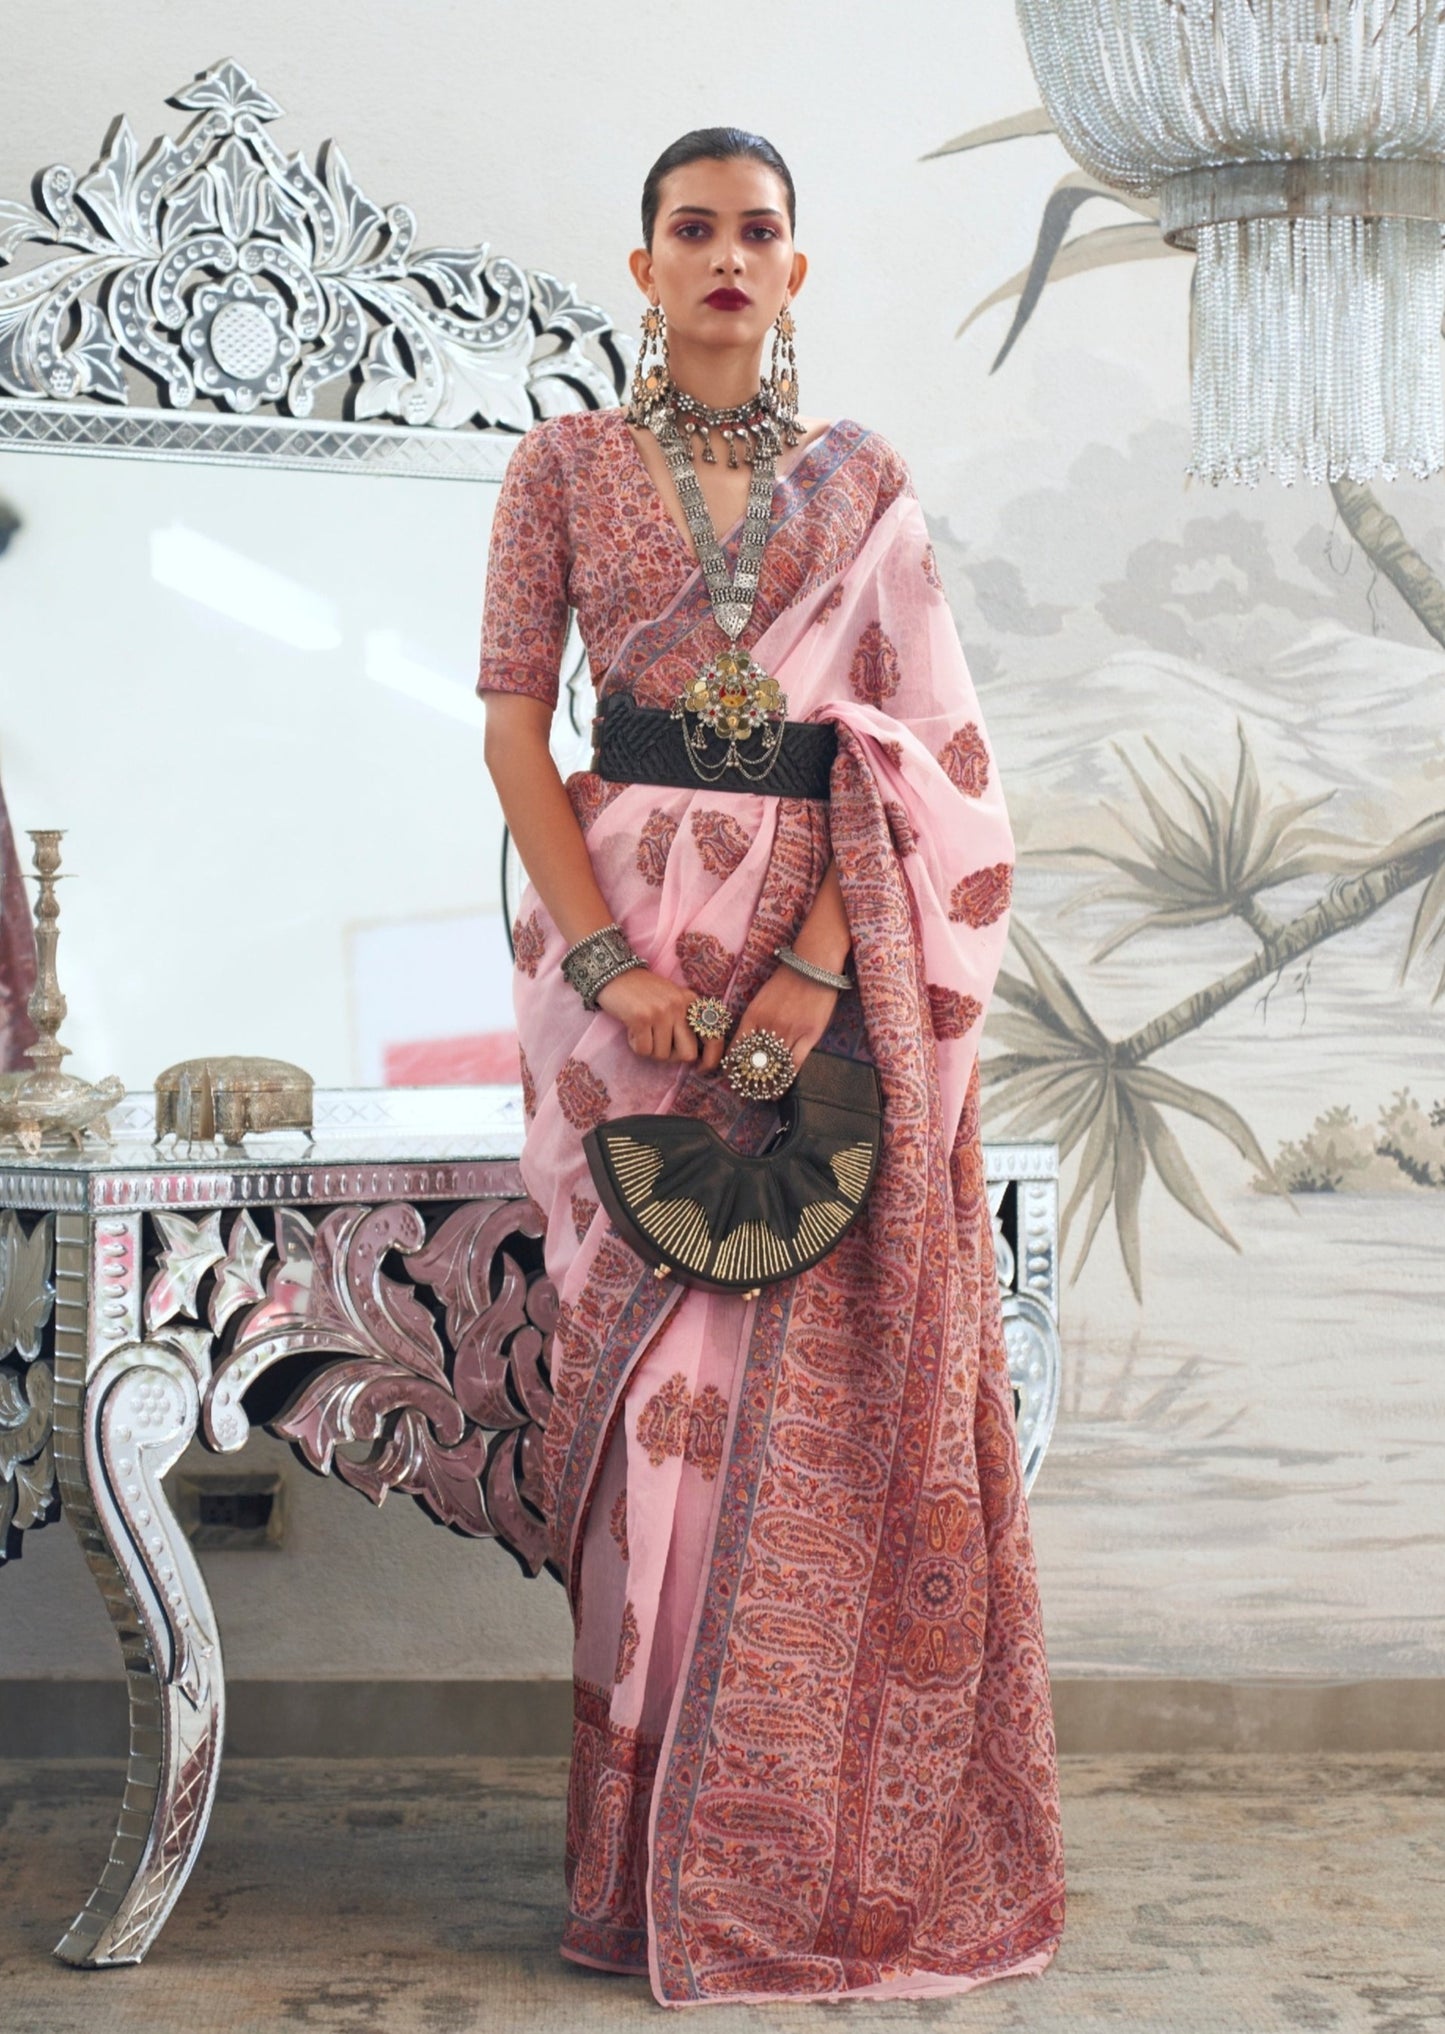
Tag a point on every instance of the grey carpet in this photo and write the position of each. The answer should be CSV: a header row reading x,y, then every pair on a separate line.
x,y
1208,1895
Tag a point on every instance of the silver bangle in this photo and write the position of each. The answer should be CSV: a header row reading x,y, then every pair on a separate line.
x,y
587,939
809,968
590,964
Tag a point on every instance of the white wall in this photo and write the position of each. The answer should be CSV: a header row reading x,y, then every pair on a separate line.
x,y
1245,1477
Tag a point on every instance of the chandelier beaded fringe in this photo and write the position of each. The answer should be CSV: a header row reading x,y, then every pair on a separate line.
x,y
1299,147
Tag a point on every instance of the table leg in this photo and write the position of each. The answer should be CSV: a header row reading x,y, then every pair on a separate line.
x,y
125,1409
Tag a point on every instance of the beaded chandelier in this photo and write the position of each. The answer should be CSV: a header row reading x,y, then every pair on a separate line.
x,y
1299,147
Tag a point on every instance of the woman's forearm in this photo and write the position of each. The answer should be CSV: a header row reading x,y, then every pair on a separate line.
x,y
539,814
823,937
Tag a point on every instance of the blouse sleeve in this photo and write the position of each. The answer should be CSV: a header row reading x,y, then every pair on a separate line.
x,y
894,478
524,615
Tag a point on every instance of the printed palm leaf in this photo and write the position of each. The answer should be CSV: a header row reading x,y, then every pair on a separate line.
x,y
1065,1080
1055,257
1421,844
1213,862
1034,121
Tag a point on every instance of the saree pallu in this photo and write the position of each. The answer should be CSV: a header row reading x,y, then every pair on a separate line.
x,y
813,1752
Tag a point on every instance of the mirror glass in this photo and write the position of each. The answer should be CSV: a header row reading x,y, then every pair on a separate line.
x,y
246,694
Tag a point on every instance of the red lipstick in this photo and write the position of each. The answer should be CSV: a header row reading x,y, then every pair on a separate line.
x,y
728,300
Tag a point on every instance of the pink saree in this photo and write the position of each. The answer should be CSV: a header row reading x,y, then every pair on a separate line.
x,y
813,1752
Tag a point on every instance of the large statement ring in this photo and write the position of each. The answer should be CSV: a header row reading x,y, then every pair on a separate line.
x,y
709,1017
758,1066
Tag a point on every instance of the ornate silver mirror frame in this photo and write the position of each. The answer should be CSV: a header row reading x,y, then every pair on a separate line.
x,y
282,318
280,315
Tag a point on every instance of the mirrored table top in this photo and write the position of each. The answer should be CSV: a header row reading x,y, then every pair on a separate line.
x,y
366,1144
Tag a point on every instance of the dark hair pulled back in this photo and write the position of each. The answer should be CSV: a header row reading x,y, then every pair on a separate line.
x,y
712,144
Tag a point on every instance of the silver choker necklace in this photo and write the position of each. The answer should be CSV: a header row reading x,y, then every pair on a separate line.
x,y
757,426
753,425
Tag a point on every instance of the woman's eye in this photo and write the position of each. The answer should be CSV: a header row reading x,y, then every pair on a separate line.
x,y
697,229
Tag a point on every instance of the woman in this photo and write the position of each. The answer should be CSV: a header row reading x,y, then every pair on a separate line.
x,y
813,1752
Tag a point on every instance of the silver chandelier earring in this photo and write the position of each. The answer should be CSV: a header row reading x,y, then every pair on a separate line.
x,y
782,379
651,379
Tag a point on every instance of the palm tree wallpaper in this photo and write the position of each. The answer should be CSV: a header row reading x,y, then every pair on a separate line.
x,y
1219,715
1211,858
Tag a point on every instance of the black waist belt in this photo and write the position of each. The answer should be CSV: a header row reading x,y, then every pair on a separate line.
x,y
644,745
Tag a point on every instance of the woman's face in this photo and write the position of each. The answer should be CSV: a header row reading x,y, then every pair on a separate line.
x,y
722,227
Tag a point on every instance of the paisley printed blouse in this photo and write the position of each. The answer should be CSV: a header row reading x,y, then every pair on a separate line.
x,y
581,525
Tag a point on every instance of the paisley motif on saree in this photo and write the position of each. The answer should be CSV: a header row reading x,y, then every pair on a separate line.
x,y
813,1753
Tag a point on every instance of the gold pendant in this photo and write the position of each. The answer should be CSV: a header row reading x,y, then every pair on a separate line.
x,y
733,695
731,698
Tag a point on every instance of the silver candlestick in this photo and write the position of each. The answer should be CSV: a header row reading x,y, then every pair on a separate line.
x,y
46,1106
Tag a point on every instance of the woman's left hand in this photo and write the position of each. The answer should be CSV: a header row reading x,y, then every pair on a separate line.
x,y
795,1008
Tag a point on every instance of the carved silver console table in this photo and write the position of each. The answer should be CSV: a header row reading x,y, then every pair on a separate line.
x,y
378,1299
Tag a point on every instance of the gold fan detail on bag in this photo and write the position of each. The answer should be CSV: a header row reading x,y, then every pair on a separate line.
x,y
688,1203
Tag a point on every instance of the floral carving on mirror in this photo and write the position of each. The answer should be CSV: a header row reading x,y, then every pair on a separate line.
x,y
253,292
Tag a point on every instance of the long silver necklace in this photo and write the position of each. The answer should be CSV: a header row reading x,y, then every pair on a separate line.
x,y
732,697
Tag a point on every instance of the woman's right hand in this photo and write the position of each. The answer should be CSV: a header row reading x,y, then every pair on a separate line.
x,y
654,1012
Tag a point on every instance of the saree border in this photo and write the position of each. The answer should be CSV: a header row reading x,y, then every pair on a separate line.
x,y
626,1341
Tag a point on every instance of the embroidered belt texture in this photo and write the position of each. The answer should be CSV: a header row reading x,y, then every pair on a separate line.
x,y
645,745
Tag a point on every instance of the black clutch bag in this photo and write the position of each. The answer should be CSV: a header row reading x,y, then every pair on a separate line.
x,y
689,1203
